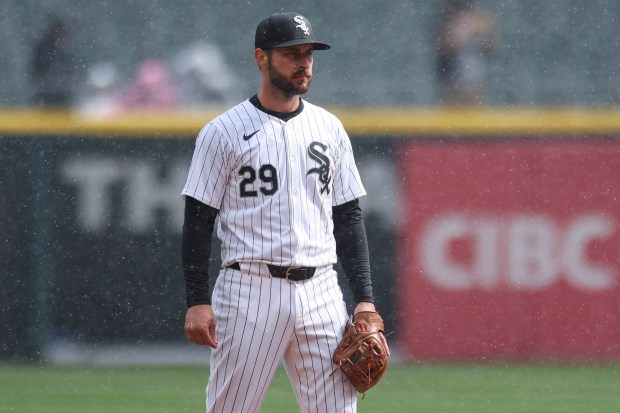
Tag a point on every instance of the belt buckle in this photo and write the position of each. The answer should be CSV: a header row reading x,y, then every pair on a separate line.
x,y
287,271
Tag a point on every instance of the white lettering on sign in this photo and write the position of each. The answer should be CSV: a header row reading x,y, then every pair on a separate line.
x,y
522,252
145,193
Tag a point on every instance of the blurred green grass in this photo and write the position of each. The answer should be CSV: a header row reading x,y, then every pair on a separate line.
x,y
437,388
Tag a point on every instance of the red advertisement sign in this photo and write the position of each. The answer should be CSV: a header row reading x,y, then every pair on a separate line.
x,y
510,250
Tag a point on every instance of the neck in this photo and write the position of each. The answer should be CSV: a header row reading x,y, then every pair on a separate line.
x,y
278,101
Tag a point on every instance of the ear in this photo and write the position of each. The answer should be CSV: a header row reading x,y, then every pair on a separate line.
x,y
260,56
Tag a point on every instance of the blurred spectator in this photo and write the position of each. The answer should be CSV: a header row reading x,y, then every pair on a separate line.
x,y
203,76
466,38
101,99
152,87
53,66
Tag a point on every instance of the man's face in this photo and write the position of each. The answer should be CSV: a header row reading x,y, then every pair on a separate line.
x,y
290,68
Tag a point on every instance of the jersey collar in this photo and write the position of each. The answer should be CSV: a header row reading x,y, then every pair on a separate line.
x,y
285,116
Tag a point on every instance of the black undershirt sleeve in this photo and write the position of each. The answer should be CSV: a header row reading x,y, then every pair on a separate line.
x,y
352,249
196,250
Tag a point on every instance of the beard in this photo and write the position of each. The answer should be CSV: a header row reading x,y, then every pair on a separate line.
x,y
284,84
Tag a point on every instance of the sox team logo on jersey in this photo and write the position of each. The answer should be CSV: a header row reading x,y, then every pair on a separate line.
x,y
323,169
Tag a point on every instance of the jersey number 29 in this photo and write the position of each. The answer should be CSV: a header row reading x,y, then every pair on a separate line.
x,y
267,174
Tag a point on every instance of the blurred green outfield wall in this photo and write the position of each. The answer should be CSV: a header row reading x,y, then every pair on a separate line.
x,y
91,214
91,231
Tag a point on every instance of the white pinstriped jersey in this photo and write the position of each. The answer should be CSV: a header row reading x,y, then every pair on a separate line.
x,y
274,183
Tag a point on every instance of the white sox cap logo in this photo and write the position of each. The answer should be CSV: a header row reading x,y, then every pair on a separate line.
x,y
302,25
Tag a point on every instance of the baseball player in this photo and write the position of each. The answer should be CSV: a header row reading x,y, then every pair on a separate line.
x,y
279,174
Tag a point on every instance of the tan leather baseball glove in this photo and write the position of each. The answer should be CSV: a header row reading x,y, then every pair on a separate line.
x,y
361,355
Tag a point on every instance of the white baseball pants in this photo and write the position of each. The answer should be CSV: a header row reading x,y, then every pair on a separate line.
x,y
262,321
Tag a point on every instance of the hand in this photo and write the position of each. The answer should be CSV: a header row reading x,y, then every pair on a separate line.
x,y
200,325
365,306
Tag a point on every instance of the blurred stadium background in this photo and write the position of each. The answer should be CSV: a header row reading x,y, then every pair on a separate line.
x,y
493,228
551,53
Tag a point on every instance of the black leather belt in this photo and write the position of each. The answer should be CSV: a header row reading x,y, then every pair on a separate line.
x,y
290,273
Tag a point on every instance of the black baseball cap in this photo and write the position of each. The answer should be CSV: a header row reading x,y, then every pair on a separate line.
x,y
285,30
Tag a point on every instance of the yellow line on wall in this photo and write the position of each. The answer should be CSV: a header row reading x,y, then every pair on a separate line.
x,y
482,121
414,121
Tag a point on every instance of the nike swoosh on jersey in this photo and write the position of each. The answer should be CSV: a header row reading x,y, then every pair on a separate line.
x,y
247,137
